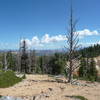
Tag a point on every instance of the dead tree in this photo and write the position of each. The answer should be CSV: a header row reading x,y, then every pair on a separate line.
x,y
18,61
32,61
29,60
24,57
72,47
5,62
18,58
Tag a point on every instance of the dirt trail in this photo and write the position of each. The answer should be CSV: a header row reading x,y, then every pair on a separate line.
x,y
45,88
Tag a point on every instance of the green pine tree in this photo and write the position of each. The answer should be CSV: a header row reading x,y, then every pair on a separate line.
x,y
83,68
92,72
10,61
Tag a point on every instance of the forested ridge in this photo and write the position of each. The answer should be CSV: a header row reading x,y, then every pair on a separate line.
x,y
39,62
91,51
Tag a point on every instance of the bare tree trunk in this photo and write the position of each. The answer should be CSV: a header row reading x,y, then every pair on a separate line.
x,y
19,61
24,57
72,46
29,60
5,62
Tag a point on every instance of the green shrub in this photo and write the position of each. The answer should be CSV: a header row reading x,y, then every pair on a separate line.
x,y
24,76
98,79
0,96
87,70
80,97
38,70
8,79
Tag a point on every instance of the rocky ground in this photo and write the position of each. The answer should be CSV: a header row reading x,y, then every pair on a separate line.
x,y
44,87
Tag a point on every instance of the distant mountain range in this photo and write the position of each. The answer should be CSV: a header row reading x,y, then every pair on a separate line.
x,y
40,52
91,51
49,52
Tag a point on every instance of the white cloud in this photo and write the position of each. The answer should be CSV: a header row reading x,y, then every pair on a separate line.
x,y
47,39
87,32
35,40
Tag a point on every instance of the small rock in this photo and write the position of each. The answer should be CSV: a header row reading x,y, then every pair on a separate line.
x,y
50,89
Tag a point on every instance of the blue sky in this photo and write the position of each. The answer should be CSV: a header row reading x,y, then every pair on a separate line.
x,y
43,22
